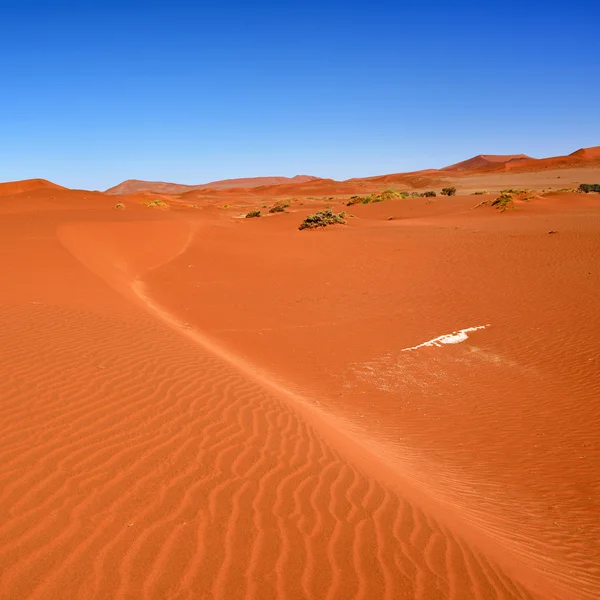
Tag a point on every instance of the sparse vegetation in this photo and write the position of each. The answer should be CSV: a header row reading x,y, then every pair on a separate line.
x,y
323,218
429,194
158,203
119,206
503,202
253,214
279,207
374,197
586,188
448,191
480,193
514,191
389,195
354,200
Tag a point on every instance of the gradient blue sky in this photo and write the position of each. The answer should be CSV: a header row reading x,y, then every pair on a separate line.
x,y
92,93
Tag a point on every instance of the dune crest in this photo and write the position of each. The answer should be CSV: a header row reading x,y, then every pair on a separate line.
x,y
16,187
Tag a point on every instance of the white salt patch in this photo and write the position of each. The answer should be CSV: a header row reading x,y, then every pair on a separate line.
x,y
450,338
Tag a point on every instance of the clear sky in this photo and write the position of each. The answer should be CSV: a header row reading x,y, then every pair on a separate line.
x,y
95,92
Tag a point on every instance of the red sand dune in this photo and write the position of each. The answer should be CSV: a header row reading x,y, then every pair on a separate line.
x,y
587,154
195,405
16,187
305,186
133,185
483,161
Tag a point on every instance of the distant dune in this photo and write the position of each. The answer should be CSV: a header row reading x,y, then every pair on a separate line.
x,y
132,186
16,187
497,165
587,153
482,161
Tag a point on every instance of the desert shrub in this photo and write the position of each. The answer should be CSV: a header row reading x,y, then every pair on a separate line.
x,y
158,203
429,194
479,193
589,187
119,206
448,191
415,195
503,202
359,200
514,191
279,207
389,195
253,214
323,218
374,197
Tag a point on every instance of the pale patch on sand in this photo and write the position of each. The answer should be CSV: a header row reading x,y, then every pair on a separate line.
x,y
450,338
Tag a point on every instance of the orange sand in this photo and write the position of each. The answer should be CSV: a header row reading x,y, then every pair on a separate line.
x,y
195,405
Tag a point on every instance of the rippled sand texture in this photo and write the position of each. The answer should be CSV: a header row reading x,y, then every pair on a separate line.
x,y
143,457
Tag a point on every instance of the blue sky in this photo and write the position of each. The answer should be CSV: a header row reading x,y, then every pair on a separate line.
x,y
92,93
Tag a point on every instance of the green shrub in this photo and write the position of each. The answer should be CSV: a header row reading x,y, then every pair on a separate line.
x,y
156,203
429,194
514,191
374,197
589,187
359,200
279,207
389,195
323,218
448,191
253,214
503,202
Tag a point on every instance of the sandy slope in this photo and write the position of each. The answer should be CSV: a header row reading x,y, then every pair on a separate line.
x,y
504,427
198,406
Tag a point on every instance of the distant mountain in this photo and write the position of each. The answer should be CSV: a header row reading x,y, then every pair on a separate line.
x,y
131,186
483,161
26,185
